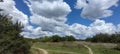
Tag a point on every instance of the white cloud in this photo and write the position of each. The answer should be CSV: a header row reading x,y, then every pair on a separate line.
x,y
99,26
118,28
93,9
48,8
31,32
50,16
9,8
81,4
49,13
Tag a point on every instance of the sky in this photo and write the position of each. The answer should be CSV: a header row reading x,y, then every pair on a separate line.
x,y
80,18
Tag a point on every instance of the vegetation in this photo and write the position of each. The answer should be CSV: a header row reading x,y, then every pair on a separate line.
x,y
76,47
118,46
11,42
61,47
114,38
54,38
104,48
105,38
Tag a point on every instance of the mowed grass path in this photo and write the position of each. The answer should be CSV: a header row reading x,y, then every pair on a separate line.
x,y
62,48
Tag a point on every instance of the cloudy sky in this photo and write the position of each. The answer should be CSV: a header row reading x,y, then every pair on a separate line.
x,y
80,18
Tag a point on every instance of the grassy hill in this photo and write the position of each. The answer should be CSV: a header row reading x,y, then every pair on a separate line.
x,y
76,47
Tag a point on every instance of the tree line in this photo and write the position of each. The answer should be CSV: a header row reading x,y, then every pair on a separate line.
x,y
114,38
106,38
54,38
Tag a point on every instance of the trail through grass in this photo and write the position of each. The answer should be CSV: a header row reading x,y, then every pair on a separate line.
x,y
62,48
77,48
90,50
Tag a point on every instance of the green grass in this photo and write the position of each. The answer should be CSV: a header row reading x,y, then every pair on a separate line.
x,y
77,48
104,48
62,48
33,51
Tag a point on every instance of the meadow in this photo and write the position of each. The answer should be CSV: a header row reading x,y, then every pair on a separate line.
x,y
76,47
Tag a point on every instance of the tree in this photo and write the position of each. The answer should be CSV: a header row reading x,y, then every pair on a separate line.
x,y
113,38
69,38
55,38
11,42
45,39
100,38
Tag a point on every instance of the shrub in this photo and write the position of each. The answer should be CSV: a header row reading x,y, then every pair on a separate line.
x,y
11,42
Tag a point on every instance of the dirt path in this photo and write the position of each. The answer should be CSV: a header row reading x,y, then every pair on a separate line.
x,y
41,51
90,50
63,52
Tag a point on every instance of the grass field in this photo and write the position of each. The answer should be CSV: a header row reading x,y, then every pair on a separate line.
x,y
77,48
62,48
104,48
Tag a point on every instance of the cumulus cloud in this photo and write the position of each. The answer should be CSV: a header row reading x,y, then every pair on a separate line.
x,y
118,28
31,32
99,26
50,18
93,9
9,8
49,15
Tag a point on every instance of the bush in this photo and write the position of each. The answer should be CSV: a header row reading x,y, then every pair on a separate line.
x,y
11,42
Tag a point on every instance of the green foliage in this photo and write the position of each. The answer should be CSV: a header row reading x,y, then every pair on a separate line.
x,y
101,38
45,39
88,39
10,40
69,38
55,38
114,38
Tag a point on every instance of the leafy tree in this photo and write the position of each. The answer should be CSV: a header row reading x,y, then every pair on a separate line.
x,y
69,38
101,38
88,39
114,38
55,38
11,42
45,39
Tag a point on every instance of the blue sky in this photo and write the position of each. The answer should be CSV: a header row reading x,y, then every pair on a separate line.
x,y
80,18
74,16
